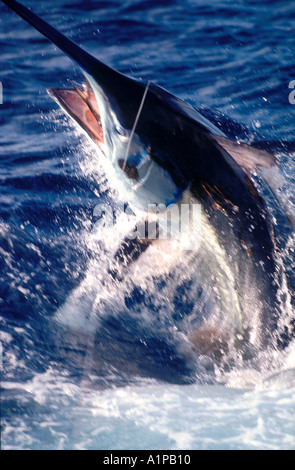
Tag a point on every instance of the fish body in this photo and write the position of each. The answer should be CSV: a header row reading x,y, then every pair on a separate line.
x,y
166,153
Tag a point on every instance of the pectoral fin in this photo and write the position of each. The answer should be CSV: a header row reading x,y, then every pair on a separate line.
x,y
249,158
252,159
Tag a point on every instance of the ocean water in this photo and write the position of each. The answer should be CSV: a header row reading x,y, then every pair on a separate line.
x,y
83,367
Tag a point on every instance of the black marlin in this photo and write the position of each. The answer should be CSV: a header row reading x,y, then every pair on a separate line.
x,y
165,152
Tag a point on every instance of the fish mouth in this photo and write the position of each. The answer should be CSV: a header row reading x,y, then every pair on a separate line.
x,y
81,105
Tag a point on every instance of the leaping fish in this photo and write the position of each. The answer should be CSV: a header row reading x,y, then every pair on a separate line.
x,y
165,152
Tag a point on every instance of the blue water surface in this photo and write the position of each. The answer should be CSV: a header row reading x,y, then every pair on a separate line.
x,y
127,381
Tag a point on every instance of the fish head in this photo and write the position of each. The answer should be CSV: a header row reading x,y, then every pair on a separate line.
x,y
158,145
117,115
117,112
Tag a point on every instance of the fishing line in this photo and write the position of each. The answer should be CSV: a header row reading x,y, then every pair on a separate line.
x,y
135,124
